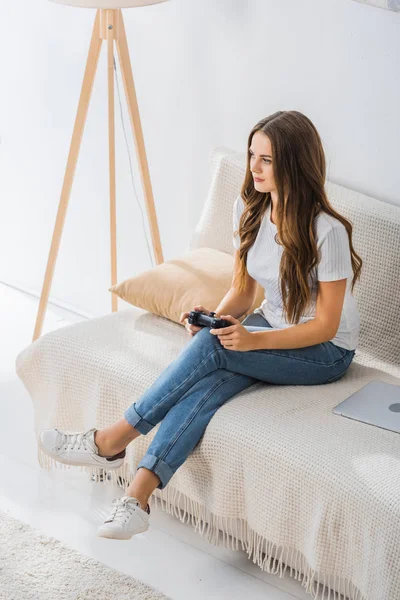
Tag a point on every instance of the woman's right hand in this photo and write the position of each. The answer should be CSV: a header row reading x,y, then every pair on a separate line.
x,y
193,329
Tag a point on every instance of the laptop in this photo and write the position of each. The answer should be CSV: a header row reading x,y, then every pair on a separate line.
x,y
376,403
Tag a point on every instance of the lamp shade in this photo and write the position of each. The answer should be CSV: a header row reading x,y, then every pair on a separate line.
x,y
108,3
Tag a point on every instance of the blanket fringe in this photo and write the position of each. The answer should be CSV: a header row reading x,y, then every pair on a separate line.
x,y
257,547
210,527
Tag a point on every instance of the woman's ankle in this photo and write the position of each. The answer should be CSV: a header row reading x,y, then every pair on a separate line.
x,y
104,446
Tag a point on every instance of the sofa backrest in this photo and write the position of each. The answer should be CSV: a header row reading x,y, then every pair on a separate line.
x,y
376,238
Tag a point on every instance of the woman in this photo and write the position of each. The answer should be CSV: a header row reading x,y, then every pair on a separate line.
x,y
305,332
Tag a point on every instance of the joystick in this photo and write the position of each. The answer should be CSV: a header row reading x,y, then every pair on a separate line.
x,y
200,318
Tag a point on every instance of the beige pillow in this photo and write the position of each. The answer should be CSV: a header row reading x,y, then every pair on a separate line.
x,y
199,277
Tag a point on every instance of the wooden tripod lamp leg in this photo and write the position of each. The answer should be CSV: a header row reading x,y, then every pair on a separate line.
x,y
126,69
110,22
90,72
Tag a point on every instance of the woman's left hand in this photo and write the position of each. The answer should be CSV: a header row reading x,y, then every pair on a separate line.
x,y
235,337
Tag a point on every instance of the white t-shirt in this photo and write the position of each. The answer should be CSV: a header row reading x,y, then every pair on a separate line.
x,y
263,260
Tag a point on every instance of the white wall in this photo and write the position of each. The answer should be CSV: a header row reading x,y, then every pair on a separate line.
x,y
205,72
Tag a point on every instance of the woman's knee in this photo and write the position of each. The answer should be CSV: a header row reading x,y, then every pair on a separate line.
x,y
204,336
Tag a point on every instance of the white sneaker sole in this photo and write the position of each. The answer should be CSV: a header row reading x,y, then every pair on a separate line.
x,y
121,535
102,465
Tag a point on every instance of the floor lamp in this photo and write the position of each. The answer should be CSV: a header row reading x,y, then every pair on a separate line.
x,y
108,25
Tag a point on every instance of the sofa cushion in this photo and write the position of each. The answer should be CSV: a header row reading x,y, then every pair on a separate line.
x,y
201,276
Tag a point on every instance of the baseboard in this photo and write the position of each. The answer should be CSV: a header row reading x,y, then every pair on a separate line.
x,y
51,301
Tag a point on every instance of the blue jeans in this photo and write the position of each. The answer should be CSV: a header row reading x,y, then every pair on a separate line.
x,y
205,375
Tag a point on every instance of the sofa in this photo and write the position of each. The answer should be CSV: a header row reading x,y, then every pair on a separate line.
x,y
303,491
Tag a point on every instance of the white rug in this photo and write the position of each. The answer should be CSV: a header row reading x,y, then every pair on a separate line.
x,y
34,566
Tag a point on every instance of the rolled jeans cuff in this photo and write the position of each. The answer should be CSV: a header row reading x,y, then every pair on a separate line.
x,y
159,467
134,419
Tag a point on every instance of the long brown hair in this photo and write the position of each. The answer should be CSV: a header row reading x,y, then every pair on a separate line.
x,y
299,168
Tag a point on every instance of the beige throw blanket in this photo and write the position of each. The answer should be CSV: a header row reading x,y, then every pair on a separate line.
x,y
275,467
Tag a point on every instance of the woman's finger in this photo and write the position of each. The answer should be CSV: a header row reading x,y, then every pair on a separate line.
x,y
201,307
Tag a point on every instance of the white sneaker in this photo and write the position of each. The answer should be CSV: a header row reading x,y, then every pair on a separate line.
x,y
126,518
77,449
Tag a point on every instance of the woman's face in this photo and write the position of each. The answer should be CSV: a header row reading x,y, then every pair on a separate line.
x,y
261,162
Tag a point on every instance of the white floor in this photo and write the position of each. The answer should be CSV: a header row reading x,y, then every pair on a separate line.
x,y
66,505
